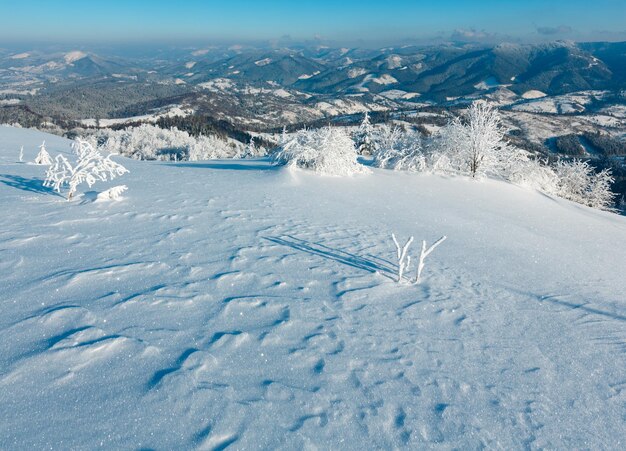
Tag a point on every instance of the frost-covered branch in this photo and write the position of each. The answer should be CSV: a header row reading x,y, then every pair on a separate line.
x,y
404,260
425,253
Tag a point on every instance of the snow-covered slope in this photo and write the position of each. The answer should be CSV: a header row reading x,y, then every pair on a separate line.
x,y
232,303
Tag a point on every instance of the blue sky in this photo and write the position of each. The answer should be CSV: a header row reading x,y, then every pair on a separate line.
x,y
347,20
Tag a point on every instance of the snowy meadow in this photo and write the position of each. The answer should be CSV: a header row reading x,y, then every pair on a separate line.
x,y
444,292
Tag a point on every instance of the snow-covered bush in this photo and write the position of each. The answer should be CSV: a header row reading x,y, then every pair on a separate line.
x,y
114,193
90,167
328,150
43,157
149,142
577,181
401,150
533,173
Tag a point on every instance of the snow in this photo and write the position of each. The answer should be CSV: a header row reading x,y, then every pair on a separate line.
x,y
170,111
398,94
307,76
384,79
356,72
20,56
533,94
488,83
190,64
547,105
394,62
217,84
72,57
263,62
200,52
281,93
232,303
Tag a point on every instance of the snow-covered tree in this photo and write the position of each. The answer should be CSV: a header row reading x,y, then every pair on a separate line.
x,y
364,135
90,167
43,157
328,150
475,145
577,181
250,151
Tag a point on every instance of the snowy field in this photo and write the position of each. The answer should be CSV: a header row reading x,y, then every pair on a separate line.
x,y
233,304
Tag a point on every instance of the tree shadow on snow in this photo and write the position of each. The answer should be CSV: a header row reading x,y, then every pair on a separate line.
x,y
371,264
580,306
33,185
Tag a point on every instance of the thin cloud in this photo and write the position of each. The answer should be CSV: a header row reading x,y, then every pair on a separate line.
x,y
551,31
473,35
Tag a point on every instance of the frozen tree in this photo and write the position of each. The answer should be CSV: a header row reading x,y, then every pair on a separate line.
x,y
475,146
43,157
328,150
363,136
425,253
21,154
250,151
578,181
90,167
404,259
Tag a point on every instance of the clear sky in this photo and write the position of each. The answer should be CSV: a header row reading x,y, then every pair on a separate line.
x,y
340,20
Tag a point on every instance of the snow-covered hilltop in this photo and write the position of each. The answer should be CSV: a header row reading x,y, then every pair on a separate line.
x,y
234,303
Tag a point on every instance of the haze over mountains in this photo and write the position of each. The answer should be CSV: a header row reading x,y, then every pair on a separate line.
x,y
380,79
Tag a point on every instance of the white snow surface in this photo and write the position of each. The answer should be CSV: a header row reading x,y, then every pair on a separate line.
x,y
74,56
231,303
533,94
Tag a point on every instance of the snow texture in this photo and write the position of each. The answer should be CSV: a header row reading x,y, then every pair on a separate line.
x,y
237,304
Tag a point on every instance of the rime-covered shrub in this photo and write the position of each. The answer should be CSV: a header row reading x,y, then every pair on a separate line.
x,y
149,142
534,173
43,157
90,166
328,150
401,150
475,146
577,181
